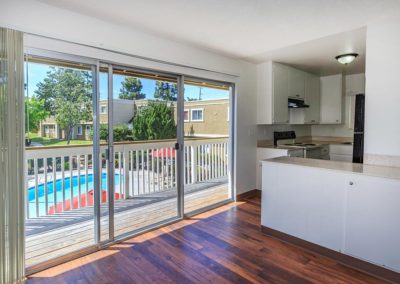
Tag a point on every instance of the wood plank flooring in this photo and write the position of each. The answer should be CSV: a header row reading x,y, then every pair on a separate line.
x,y
224,245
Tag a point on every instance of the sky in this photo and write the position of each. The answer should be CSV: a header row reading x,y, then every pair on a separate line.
x,y
35,73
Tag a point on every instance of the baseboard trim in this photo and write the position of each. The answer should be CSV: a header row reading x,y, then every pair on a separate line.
x,y
355,263
248,194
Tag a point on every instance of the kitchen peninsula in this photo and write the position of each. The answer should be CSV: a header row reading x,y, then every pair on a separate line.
x,y
343,209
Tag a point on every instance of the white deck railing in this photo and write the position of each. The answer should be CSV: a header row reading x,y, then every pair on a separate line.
x,y
140,168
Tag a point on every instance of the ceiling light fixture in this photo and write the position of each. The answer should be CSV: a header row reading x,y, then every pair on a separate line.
x,y
346,58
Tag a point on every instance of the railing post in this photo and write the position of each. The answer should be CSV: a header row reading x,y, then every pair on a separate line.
x,y
193,165
126,173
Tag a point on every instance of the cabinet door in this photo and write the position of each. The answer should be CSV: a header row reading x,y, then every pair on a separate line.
x,y
372,220
280,93
331,99
312,98
296,83
267,153
355,84
308,208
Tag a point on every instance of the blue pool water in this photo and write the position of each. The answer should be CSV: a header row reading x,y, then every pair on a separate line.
x,y
59,195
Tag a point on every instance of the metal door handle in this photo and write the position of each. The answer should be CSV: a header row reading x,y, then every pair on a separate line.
x,y
109,154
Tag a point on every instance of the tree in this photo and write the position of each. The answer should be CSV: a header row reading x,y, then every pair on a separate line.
x,y
35,113
131,89
67,95
165,91
154,121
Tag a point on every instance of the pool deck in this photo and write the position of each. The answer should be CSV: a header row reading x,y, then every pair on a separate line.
x,y
56,235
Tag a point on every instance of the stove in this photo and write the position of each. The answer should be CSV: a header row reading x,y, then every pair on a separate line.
x,y
287,139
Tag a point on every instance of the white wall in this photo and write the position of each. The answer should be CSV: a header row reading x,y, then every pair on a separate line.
x,y
41,19
382,100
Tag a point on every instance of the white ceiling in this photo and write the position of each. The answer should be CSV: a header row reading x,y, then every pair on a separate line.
x,y
247,29
318,56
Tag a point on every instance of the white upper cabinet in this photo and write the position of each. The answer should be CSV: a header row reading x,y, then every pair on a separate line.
x,y
355,84
312,98
272,93
325,95
296,83
310,115
264,93
331,92
280,91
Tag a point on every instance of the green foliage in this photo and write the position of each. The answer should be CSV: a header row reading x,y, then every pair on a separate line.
x,y
35,113
154,121
131,89
165,91
67,95
121,132
103,133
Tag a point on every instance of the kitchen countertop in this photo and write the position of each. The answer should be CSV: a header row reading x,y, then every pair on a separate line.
x,y
370,170
317,140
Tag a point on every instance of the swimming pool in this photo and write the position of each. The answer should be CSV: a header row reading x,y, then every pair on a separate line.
x,y
59,192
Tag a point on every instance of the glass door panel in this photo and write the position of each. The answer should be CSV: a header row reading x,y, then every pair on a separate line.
x,y
144,134
59,217
207,143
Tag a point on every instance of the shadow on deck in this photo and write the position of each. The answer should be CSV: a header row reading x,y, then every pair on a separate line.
x,y
51,222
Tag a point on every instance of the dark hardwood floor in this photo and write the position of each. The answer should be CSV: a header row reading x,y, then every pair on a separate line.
x,y
224,245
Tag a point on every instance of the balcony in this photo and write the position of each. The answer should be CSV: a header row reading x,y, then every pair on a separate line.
x,y
59,217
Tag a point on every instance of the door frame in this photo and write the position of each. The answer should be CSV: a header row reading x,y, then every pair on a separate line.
x,y
110,153
231,145
46,54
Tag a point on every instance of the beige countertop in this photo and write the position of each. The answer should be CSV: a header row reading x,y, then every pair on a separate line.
x,y
316,140
370,170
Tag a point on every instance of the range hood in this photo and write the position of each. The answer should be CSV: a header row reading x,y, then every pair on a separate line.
x,y
296,103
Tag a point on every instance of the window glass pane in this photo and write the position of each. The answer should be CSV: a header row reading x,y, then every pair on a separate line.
x,y
206,155
144,109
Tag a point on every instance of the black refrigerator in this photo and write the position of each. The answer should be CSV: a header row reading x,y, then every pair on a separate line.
x,y
358,143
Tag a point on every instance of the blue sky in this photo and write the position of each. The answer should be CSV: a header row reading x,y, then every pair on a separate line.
x,y
37,72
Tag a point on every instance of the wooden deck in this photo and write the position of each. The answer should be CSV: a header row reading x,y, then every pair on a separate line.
x,y
56,235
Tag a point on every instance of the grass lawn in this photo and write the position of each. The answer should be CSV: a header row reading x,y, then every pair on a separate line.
x,y
45,141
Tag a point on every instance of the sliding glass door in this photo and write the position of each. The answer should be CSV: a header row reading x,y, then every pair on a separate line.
x,y
59,103
139,125
112,151
207,140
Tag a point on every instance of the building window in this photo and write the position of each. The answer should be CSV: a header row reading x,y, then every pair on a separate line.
x,y
197,115
46,129
88,128
79,130
103,109
185,115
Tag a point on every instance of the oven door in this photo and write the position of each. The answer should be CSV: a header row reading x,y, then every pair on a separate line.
x,y
313,153
296,153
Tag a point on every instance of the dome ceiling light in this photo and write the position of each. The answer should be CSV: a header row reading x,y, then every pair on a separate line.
x,y
346,58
